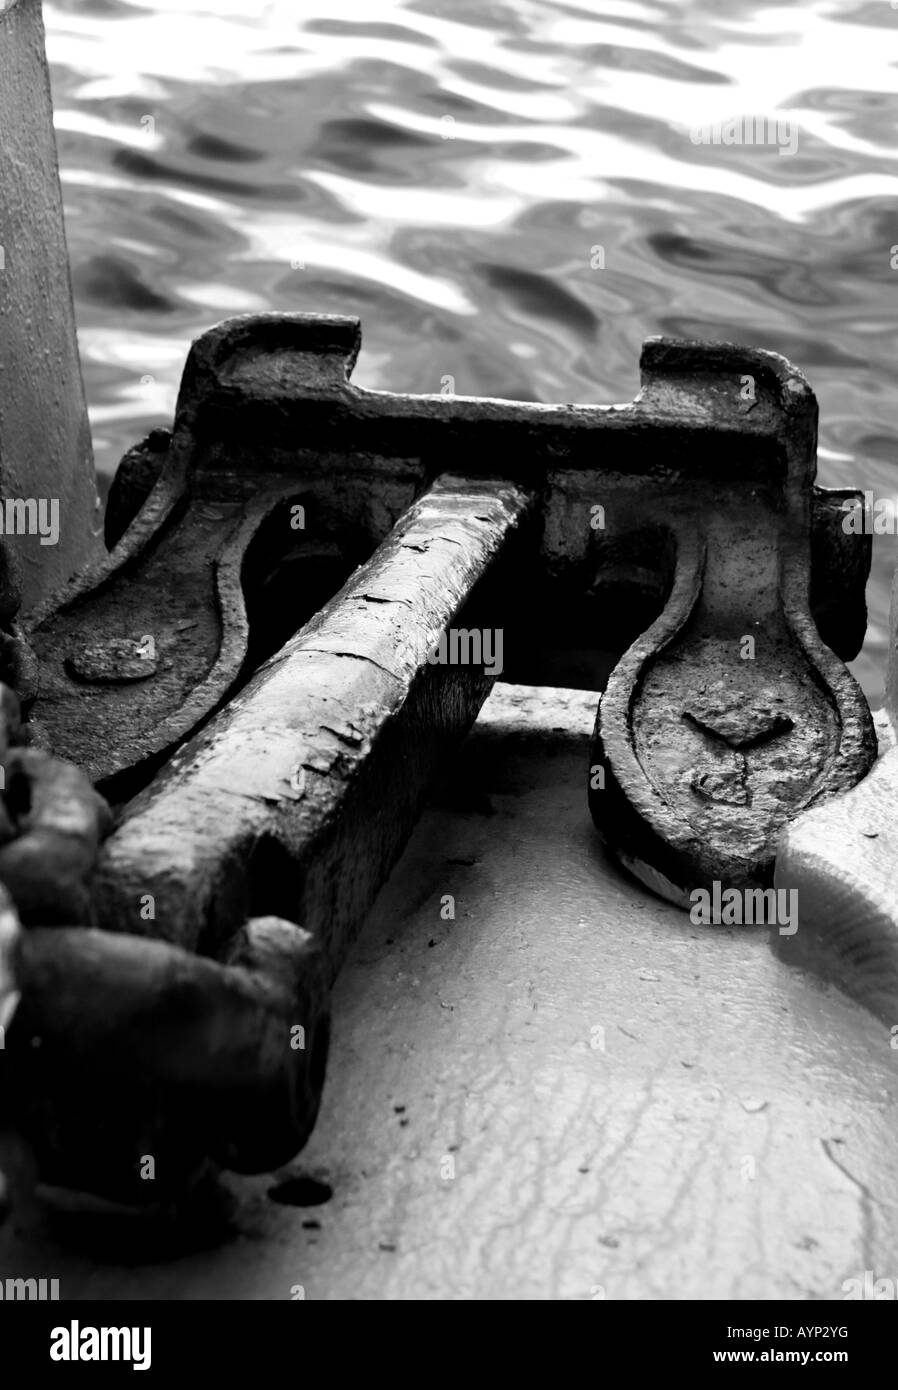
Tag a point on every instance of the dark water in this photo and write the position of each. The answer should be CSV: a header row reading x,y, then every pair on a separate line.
x,y
445,170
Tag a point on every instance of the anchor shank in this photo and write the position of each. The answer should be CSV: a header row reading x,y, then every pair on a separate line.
x,y
306,785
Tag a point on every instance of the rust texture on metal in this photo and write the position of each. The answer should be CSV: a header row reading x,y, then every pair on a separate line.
x,y
729,715
193,1054
269,428
305,786
289,807
269,736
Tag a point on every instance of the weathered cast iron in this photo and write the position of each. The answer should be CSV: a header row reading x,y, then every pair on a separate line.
x,y
267,780
186,1039
730,715
290,806
269,427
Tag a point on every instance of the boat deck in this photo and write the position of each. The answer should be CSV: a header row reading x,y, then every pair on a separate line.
x,y
567,1092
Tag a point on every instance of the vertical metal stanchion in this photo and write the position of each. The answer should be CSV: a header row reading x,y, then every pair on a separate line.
x,y
48,497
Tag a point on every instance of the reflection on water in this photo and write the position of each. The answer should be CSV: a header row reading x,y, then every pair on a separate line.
x,y
446,169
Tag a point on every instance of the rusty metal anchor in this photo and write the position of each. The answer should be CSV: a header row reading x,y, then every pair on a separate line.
x,y
269,737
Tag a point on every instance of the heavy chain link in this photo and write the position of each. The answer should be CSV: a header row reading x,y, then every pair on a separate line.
x,y
51,824
167,1053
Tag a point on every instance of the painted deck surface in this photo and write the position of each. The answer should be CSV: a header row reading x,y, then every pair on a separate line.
x,y
568,1092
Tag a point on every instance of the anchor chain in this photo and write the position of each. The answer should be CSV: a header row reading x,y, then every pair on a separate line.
x,y
51,825
183,1058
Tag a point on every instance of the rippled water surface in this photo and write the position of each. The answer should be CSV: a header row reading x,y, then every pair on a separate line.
x,y
446,170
